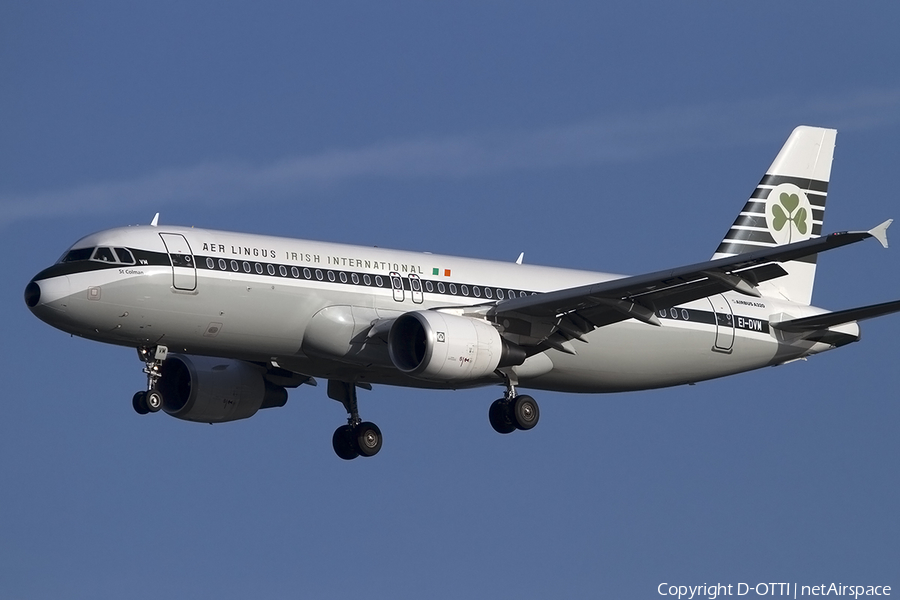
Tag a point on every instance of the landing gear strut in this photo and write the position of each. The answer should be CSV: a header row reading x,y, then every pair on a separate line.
x,y
151,400
513,411
357,437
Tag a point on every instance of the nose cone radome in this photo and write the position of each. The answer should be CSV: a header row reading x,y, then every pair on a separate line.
x,y
47,297
32,294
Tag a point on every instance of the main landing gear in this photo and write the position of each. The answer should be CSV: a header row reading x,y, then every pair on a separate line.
x,y
513,411
357,437
151,400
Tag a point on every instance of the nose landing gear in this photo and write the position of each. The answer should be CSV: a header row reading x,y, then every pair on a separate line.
x,y
150,401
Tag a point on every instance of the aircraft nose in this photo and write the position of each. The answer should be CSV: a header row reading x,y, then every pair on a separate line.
x,y
47,294
32,294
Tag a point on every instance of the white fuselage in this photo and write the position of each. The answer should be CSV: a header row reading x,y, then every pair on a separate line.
x,y
255,298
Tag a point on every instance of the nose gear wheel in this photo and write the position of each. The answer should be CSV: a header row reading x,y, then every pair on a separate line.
x,y
152,400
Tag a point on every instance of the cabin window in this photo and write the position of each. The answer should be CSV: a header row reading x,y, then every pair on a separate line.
x,y
354,278
330,275
307,274
223,265
234,266
259,268
367,280
465,289
210,263
295,272
319,275
453,288
477,291
429,286
499,294
271,269
282,270
247,267
343,277
441,287
379,281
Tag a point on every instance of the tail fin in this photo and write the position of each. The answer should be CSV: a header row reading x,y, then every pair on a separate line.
x,y
787,206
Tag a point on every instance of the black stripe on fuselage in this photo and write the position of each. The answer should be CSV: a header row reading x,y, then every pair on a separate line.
x,y
143,258
331,276
726,320
440,287
281,271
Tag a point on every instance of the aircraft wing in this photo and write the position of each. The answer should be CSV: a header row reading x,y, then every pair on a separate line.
x,y
568,313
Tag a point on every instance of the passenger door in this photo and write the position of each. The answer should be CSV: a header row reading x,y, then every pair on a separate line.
x,y
184,272
724,323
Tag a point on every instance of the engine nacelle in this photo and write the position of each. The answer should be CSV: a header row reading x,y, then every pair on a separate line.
x,y
436,346
215,390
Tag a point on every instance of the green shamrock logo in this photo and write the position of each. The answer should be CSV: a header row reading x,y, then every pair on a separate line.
x,y
790,202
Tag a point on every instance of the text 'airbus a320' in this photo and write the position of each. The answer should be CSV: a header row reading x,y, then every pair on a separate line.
x,y
226,322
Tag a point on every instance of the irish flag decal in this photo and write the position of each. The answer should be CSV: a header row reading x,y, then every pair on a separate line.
x,y
436,271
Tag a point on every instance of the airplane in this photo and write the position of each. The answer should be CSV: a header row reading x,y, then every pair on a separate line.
x,y
225,323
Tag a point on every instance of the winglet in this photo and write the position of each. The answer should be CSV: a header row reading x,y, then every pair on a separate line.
x,y
519,260
880,232
155,220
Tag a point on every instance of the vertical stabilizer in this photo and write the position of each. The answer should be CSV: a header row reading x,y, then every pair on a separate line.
x,y
787,206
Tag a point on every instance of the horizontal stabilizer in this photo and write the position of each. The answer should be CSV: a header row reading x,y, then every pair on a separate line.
x,y
840,317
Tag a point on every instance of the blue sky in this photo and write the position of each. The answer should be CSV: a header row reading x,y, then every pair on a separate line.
x,y
616,138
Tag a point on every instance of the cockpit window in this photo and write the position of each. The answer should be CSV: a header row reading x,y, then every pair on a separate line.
x,y
77,254
103,254
122,256
125,256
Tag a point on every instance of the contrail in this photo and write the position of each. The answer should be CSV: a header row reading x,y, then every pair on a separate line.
x,y
632,136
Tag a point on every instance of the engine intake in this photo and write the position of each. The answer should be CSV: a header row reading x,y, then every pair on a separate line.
x,y
436,346
215,390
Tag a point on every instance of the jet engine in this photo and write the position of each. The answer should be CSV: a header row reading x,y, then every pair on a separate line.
x,y
440,347
215,390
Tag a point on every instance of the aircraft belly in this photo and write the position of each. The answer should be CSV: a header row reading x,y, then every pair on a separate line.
x,y
220,318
